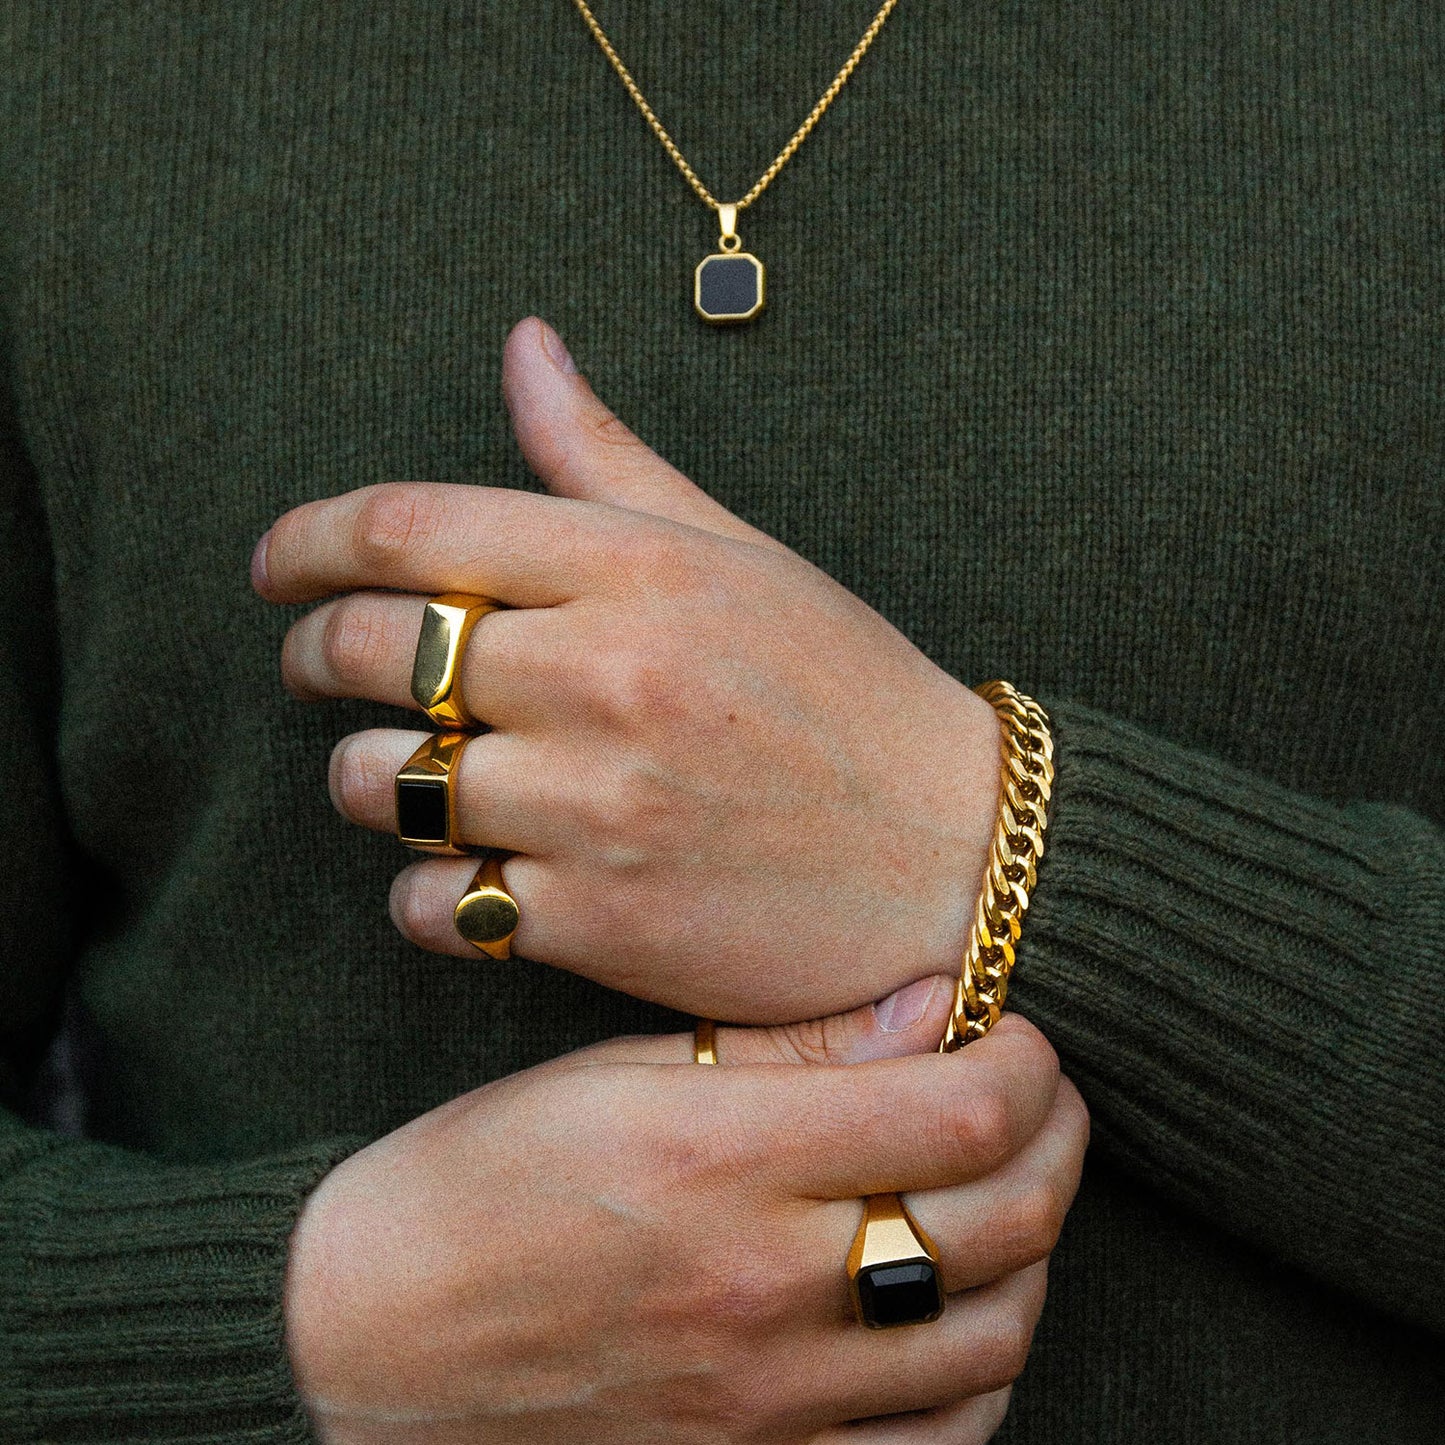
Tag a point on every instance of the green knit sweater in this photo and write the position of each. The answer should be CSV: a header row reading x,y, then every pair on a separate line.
x,y
1103,352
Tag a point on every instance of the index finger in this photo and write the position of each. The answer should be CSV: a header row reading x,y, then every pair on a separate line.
x,y
922,1122
514,547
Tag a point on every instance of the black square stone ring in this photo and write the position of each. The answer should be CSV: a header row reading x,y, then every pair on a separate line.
x,y
426,808
893,1267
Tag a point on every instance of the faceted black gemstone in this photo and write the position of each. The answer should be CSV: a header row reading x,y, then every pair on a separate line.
x,y
727,286
421,810
899,1294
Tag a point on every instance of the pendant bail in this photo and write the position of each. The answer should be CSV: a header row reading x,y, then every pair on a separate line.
x,y
727,216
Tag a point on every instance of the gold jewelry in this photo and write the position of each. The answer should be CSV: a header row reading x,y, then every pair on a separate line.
x,y
729,285
487,915
426,815
1026,750
704,1042
436,671
893,1267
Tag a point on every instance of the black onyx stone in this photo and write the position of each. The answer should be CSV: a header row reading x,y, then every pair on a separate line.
x,y
421,810
729,288
899,1294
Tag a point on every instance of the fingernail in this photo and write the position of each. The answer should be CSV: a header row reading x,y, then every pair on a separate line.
x,y
258,563
900,1011
560,357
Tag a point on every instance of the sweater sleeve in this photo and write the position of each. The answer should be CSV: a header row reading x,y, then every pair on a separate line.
x,y
138,1301
1247,985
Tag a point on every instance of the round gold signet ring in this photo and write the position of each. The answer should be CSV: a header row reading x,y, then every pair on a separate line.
x,y
436,671
487,915
893,1267
426,806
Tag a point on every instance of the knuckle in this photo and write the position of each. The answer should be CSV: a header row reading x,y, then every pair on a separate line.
x,y
353,643
745,1298
976,1127
628,819
638,685
740,1406
666,561
1029,1045
393,518
993,1411
1039,1054
1012,1340
693,1152
408,907
1076,1111
811,1042
1040,1219
611,430
352,777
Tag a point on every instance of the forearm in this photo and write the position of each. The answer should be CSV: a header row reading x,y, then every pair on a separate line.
x,y
145,1300
1247,984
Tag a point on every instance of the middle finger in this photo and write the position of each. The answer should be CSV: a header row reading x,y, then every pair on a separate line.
x,y
363,645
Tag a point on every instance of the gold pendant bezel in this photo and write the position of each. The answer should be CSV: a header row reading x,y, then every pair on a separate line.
x,y
732,318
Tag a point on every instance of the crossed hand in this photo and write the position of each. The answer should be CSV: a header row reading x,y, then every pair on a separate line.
x,y
727,785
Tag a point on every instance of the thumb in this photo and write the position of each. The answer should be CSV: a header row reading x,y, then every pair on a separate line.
x,y
579,448
910,1021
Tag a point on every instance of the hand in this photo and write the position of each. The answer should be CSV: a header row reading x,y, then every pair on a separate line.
x,y
730,786
619,1246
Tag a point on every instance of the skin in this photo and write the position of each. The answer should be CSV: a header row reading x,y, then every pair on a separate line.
x,y
619,1246
728,784
695,735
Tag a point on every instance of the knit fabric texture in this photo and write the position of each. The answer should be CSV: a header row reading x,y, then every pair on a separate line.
x,y
1103,353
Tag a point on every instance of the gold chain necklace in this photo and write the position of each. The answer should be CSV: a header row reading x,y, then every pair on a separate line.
x,y
728,286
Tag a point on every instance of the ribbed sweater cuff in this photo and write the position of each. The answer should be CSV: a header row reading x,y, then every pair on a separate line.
x,y
1227,969
145,1302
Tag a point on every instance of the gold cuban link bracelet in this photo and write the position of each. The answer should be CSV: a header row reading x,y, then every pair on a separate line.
x,y
1026,752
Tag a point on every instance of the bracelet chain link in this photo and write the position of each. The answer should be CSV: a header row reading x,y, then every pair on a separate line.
x,y
1026,750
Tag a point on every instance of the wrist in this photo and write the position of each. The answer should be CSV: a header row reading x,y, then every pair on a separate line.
x,y
960,798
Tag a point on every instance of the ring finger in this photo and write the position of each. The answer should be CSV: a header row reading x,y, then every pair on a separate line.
x,y
505,793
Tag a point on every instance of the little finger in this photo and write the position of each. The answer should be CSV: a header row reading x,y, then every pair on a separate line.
x,y
970,1422
424,897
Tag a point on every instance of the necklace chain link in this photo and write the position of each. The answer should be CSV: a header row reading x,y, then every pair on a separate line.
x,y
784,155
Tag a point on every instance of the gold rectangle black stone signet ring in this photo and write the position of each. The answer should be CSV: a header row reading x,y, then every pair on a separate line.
x,y
426,813
436,671
893,1267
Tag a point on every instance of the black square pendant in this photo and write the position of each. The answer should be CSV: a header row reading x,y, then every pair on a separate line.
x,y
729,287
899,1294
421,810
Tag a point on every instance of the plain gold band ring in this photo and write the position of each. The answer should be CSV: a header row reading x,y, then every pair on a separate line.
x,y
704,1042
